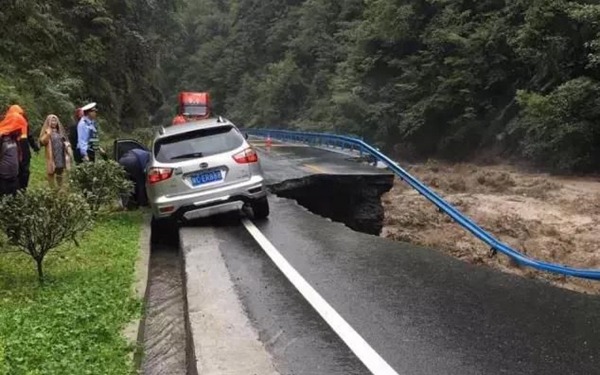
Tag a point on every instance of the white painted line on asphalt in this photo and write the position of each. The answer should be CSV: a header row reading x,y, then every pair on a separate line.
x,y
368,356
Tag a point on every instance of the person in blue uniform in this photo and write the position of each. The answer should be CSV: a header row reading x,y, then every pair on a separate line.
x,y
88,143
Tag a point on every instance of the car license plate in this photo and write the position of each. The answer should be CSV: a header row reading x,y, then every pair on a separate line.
x,y
206,178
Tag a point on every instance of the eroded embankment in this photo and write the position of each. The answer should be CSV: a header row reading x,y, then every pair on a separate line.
x,y
354,200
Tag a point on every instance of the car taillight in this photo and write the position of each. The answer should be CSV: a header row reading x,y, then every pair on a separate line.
x,y
159,174
246,156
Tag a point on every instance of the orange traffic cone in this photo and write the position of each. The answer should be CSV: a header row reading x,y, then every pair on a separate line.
x,y
269,142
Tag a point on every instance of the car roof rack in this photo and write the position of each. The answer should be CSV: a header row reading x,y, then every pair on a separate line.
x,y
161,131
220,119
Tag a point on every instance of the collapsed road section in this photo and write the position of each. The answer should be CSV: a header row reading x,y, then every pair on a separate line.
x,y
334,185
354,200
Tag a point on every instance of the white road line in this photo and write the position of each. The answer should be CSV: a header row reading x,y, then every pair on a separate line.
x,y
358,345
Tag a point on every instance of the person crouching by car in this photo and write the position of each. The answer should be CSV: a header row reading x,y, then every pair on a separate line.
x,y
58,150
134,162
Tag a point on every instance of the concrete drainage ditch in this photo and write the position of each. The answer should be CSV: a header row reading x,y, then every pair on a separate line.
x,y
165,336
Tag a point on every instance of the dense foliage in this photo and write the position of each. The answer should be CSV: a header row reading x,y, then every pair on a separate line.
x,y
446,78
58,54
420,78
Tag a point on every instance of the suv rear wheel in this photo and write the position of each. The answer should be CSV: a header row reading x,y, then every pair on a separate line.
x,y
260,208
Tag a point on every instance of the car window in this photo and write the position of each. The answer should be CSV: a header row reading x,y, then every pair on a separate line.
x,y
194,110
199,143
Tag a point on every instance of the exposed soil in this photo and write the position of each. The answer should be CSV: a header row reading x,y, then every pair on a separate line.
x,y
549,218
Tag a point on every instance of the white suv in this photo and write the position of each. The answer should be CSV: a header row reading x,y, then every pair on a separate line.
x,y
204,168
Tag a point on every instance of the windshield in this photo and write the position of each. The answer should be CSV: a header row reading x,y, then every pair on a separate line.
x,y
194,110
199,143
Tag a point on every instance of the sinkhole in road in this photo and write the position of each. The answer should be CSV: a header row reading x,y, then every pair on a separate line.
x,y
354,200
166,349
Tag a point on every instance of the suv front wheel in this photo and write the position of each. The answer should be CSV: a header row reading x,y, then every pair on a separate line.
x,y
260,208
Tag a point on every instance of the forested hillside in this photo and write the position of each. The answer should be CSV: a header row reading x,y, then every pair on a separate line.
x,y
56,54
445,78
421,78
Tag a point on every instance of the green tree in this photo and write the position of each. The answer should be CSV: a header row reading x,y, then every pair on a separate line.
x,y
39,221
561,128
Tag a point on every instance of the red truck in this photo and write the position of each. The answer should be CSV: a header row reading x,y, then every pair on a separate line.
x,y
192,106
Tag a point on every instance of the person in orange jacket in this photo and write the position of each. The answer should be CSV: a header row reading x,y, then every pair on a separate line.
x,y
10,127
16,118
178,120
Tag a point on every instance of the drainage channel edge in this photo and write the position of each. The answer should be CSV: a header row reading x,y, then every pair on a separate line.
x,y
134,331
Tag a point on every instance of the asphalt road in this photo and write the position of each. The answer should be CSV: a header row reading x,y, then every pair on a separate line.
x,y
284,161
422,311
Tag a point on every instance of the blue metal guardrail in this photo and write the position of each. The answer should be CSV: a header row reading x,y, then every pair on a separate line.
x,y
457,216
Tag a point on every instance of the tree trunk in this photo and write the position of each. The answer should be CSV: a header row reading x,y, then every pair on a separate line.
x,y
40,270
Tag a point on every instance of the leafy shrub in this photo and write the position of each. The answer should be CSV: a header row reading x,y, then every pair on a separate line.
x,y
100,183
41,220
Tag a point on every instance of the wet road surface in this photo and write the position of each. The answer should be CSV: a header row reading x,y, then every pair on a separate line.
x,y
298,339
422,311
426,313
291,161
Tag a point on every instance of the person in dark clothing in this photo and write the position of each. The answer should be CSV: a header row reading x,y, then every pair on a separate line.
x,y
9,163
27,143
15,117
134,162
73,135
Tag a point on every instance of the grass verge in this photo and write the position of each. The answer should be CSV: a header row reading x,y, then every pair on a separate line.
x,y
73,323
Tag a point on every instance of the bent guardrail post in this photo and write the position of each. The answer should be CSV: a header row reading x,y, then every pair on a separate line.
x,y
430,195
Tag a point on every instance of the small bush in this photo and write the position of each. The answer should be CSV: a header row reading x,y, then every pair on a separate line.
x,y
41,220
100,183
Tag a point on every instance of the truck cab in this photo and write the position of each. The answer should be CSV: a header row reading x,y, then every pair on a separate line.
x,y
194,106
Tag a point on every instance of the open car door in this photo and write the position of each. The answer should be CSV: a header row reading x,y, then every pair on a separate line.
x,y
121,146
